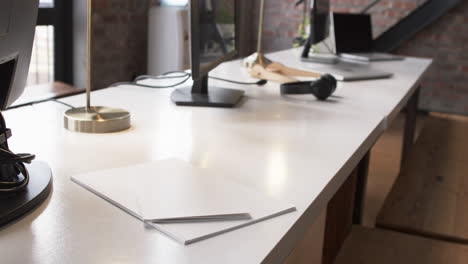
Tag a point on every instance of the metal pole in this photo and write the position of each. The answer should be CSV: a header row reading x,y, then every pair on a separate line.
x,y
368,7
88,66
260,26
97,119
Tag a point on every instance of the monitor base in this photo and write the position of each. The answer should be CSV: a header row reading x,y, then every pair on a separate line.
x,y
216,97
324,58
17,204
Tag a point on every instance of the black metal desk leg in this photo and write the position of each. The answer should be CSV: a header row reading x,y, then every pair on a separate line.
x,y
410,124
361,184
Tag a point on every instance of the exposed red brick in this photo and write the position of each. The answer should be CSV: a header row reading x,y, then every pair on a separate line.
x,y
445,86
119,40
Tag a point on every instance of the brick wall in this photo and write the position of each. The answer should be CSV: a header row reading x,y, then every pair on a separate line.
x,y
119,40
282,17
120,30
385,14
444,88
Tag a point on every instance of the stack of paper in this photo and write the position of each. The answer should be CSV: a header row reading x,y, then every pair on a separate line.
x,y
187,203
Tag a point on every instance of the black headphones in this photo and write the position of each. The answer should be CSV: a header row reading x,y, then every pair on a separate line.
x,y
322,88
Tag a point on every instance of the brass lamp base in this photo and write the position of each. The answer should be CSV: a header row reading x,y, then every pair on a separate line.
x,y
256,58
97,119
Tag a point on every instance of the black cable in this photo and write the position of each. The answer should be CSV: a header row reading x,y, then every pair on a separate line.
x,y
185,75
38,102
369,6
27,104
164,76
261,82
16,186
6,156
63,103
14,164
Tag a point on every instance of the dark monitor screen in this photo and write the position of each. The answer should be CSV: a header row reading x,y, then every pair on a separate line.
x,y
320,21
17,24
215,40
353,32
319,24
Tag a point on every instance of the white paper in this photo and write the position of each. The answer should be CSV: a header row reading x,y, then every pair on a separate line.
x,y
200,203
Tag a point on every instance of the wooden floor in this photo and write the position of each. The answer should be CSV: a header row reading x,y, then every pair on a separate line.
x,y
438,213
430,197
385,166
383,171
424,218
378,246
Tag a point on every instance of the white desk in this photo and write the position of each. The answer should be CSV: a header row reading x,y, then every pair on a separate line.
x,y
386,97
298,152
382,96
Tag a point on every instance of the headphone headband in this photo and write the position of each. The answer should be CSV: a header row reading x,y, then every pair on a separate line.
x,y
322,88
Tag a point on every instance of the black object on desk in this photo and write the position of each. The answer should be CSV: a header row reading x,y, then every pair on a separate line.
x,y
22,187
322,88
319,25
353,38
213,41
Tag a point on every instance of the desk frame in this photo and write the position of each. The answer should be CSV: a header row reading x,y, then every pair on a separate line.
x,y
347,205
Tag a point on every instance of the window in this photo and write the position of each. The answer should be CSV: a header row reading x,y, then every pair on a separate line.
x,y
174,2
41,69
52,54
46,3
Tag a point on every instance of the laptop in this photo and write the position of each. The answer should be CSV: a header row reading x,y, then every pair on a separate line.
x,y
343,71
353,38
370,56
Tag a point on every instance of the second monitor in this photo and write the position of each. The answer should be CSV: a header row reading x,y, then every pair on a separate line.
x,y
213,41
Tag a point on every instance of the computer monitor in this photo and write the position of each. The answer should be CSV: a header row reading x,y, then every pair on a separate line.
x,y
353,32
319,24
17,21
213,35
22,187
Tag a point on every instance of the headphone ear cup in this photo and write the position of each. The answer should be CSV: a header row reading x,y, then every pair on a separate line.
x,y
324,87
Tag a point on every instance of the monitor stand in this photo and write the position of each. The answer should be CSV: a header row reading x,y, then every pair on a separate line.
x,y
325,58
16,204
199,95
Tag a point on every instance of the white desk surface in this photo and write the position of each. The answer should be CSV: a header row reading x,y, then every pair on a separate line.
x,y
382,96
297,152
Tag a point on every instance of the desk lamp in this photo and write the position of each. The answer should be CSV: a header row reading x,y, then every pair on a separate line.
x,y
95,119
258,57
261,67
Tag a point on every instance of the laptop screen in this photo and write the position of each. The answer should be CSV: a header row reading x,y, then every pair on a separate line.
x,y
353,32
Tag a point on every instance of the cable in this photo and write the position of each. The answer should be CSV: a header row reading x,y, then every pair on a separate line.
x,y
369,6
40,101
164,76
328,47
15,163
63,103
185,75
16,186
27,104
261,82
